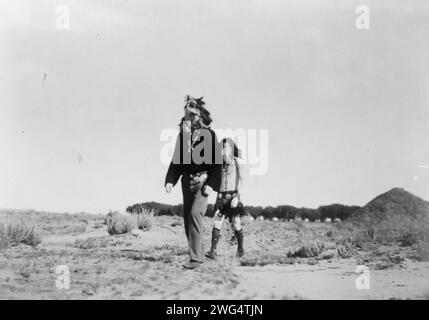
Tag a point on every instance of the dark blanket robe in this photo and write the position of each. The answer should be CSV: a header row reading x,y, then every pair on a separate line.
x,y
183,165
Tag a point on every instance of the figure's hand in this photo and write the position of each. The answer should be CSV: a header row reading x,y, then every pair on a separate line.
x,y
195,186
207,190
234,202
168,187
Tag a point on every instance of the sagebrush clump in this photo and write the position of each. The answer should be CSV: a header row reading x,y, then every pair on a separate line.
x,y
145,219
308,250
118,223
14,231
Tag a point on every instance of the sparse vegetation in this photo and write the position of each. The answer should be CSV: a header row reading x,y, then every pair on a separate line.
x,y
90,243
54,223
308,251
393,217
404,231
423,251
118,223
145,219
150,265
299,224
261,259
14,231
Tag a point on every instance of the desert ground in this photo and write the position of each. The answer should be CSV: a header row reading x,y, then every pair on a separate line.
x,y
283,260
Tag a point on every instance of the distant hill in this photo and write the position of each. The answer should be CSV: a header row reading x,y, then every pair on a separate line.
x,y
395,214
396,202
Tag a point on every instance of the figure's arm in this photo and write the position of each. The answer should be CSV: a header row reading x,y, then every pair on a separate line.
x,y
173,174
214,172
175,169
240,171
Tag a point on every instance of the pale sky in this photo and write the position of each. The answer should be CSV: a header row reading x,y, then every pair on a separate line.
x,y
347,110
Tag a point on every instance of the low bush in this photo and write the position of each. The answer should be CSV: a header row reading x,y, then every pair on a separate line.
x,y
145,219
14,231
118,223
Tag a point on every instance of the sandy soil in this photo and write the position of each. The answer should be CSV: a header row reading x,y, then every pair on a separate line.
x,y
150,266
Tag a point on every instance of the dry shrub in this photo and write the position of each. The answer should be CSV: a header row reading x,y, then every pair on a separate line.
x,y
308,251
345,250
407,239
299,224
145,219
51,222
173,250
351,235
423,251
90,243
165,253
405,230
263,259
14,231
118,223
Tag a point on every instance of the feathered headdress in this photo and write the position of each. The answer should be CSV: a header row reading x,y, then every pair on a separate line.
x,y
198,104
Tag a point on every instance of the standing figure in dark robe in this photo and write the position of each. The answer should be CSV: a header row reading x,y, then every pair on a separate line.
x,y
197,160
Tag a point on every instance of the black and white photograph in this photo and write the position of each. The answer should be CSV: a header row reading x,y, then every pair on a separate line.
x,y
213,150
